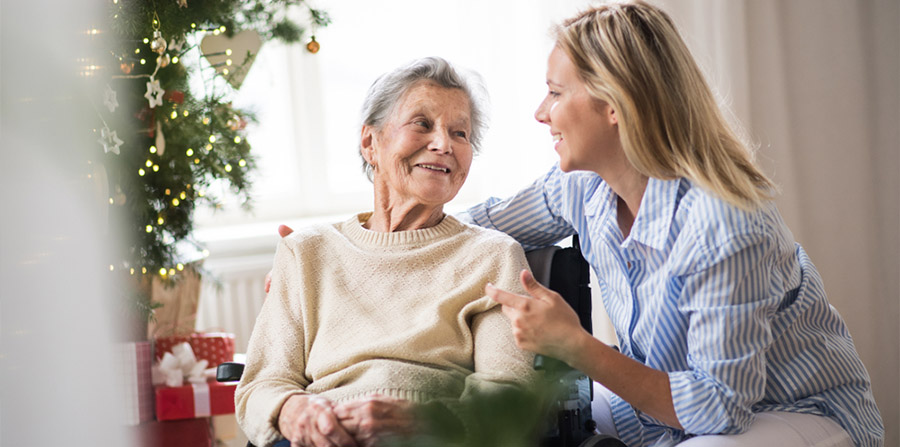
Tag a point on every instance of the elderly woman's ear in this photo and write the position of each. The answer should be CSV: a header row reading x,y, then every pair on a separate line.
x,y
366,144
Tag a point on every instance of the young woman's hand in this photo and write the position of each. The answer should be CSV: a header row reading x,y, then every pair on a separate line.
x,y
543,322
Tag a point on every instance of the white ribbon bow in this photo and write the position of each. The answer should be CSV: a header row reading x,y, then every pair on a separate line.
x,y
179,365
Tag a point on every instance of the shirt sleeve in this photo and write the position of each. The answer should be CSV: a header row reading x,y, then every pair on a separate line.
x,y
729,303
532,216
275,355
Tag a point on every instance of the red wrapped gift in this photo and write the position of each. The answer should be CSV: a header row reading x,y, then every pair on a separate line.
x,y
214,347
185,433
134,382
194,400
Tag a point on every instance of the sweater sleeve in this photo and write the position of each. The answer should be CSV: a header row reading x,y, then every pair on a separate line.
x,y
501,369
275,355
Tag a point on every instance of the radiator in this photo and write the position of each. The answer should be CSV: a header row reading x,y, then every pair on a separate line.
x,y
232,295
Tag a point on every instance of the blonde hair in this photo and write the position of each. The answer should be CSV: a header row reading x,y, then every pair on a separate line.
x,y
631,56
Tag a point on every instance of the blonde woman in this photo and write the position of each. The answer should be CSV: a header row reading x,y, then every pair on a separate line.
x,y
723,324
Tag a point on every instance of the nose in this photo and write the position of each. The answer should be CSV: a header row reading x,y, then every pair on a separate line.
x,y
441,142
542,114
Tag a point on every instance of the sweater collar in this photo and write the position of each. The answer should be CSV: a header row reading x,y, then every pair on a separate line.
x,y
354,230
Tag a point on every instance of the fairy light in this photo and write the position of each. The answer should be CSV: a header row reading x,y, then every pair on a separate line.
x,y
141,172
242,162
196,161
168,192
225,72
180,266
237,140
228,62
190,152
227,168
149,228
152,149
160,221
163,271
144,270
149,163
201,194
212,138
171,272
193,25
146,40
155,168
112,267
186,113
175,202
206,120
174,114
222,28
175,61
183,195
111,201
143,61
216,32
228,51
137,51
208,147
131,271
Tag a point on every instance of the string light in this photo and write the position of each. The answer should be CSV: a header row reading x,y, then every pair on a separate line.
x,y
160,221
196,161
237,140
171,271
227,168
180,266
174,114
162,271
175,61
206,120
228,51
111,201
141,172
132,271
149,163
144,270
190,152
112,267
137,51
185,113
152,149
143,61
175,202
155,168
168,192
149,228
242,162
146,40
212,138
183,195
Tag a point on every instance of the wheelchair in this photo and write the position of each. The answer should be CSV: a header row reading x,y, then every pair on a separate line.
x,y
568,420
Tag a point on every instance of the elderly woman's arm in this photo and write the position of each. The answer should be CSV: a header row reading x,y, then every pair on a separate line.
x,y
271,399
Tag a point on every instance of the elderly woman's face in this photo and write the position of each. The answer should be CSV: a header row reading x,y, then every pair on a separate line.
x,y
422,153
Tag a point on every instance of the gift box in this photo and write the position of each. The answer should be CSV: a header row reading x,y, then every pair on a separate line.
x,y
214,347
183,433
194,400
133,381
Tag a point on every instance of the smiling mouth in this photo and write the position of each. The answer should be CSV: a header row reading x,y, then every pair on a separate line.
x,y
434,168
557,138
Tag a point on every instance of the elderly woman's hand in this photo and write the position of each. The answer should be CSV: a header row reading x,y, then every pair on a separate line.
x,y
310,421
376,418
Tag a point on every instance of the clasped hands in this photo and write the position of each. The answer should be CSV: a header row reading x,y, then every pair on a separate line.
x,y
313,421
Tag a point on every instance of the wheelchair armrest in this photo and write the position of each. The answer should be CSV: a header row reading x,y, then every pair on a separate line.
x,y
229,372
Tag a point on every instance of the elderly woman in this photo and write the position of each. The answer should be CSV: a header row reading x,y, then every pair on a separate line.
x,y
366,318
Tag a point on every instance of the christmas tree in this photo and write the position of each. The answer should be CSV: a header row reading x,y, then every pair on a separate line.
x,y
161,144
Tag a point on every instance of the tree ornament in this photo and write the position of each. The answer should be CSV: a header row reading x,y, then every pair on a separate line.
x,y
158,43
313,46
154,93
109,140
160,140
163,60
126,67
232,56
109,99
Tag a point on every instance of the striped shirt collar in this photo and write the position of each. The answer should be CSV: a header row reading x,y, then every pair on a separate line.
x,y
654,218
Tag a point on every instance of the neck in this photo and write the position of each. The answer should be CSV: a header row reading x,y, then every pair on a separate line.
x,y
629,185
391,215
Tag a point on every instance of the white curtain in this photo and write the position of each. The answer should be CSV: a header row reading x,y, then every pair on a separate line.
x,y
815,82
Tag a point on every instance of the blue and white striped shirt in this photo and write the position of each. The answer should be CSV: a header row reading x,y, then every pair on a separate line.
x,y
721,299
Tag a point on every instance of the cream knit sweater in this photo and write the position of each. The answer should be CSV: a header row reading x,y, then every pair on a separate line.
x,y
354,312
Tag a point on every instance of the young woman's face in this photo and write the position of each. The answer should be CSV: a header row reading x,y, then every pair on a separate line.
x,y
584,129
422,153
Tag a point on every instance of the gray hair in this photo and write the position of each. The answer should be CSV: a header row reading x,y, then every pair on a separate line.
x,y
389,88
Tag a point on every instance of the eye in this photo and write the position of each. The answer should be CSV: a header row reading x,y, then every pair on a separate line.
x,y
462,134
422,123
553,93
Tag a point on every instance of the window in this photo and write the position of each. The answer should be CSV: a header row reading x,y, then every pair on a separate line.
x,y
306,141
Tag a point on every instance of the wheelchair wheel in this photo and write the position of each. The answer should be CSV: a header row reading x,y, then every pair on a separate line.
x,y
602,441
